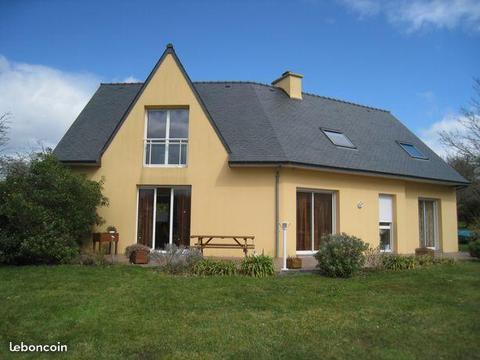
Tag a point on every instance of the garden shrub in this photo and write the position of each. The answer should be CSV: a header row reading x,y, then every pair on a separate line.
x,y
406,262
340,255
129,250
373,258
46,210
176,259
257,266
474,248
399,262
209,267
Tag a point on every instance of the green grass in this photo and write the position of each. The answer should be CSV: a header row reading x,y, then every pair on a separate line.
x,y
127,312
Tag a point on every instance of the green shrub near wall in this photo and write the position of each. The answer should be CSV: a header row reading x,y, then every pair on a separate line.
x,y
45,211
340,255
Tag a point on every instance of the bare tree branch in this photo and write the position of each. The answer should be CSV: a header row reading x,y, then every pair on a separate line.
x,y
465,140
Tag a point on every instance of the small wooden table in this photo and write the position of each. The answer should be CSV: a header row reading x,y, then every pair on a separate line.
x,y
239,242
103,238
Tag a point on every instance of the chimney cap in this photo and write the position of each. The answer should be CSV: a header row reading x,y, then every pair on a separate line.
x,y
285,74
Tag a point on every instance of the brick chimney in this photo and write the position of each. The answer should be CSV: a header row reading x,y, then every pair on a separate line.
x,y
291,83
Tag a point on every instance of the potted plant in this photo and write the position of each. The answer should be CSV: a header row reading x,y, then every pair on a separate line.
x,y
112,229
137,253
294,262
424,251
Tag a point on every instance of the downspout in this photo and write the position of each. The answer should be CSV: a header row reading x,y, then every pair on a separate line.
x,y
277,202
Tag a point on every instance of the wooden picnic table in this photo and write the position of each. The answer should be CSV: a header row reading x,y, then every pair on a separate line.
x,y
244,242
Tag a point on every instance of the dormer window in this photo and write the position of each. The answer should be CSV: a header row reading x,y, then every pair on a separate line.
x,y
412,150
338,138
166,137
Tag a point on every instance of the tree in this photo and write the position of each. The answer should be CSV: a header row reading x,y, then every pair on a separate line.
x,y
465,141
3,130
46,210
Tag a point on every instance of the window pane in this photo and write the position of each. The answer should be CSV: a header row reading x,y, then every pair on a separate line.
x,y
158,154
183,155
157,122
173,154
412,151
178,124
181,217
304,221
338,139
145,217
427,222
385,239
322,214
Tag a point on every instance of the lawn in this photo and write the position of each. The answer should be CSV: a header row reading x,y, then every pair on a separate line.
x,y
127,312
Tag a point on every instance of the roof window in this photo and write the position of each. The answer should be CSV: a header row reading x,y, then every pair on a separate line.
x,y
412,150
338,138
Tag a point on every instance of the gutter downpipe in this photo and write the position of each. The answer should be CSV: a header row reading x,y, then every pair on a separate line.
x,y
277,202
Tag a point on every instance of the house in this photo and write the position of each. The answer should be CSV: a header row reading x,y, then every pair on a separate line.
x,y
181,157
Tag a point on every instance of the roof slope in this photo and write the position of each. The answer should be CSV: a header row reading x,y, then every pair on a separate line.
x,y
85,139
261,124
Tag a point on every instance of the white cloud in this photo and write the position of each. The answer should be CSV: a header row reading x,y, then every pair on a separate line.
x,y
43,102
130,79
431,135
414,15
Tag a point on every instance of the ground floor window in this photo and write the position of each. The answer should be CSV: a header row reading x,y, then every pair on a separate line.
x,y
315,218
385,221
428,223
163,216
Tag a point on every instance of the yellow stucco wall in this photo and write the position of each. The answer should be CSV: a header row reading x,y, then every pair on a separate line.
x,y
241,201
352,189
224,200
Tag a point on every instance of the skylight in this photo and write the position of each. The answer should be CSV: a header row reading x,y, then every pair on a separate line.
x,y
338,138
412,150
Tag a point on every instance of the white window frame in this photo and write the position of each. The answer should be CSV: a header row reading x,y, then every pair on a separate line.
x,y
312,230
383,225
386,227
166,141
435,223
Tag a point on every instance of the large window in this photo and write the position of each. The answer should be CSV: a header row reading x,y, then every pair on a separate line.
x,y
428,215
315,218
166,137
385,222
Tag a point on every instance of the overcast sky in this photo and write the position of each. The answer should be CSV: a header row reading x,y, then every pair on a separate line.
x,y
415,58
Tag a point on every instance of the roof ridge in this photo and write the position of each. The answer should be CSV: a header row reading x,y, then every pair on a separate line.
x,y
262,84
346,102
122,83
303,92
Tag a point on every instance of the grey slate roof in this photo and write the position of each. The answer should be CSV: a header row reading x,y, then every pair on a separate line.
x,y
85,139
262,125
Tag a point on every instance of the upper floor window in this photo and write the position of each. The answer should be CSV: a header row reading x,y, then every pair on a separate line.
x,y
412,150
338,138
166,137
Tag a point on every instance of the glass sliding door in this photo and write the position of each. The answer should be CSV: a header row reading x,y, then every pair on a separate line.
x,y
315,218
163,216
428,223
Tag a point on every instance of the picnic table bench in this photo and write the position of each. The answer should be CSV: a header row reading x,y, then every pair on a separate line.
x,y
237,242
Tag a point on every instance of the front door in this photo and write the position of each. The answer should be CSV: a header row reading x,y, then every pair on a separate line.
x,y
163,216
